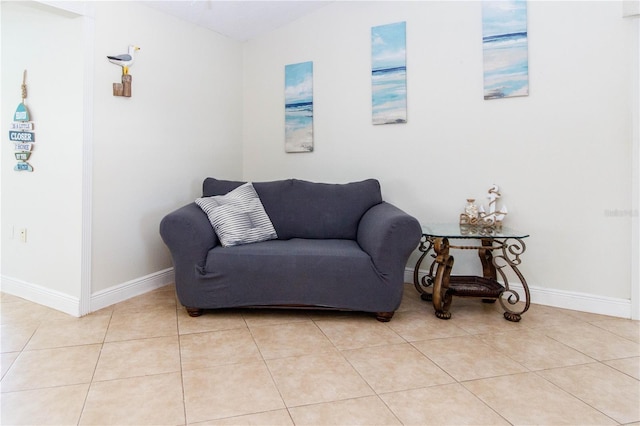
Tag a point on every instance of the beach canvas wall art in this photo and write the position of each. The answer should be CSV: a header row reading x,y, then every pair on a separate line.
x,y
389,73
505,48
298,89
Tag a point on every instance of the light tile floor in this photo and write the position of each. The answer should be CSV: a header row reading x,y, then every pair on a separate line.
x,y
145,361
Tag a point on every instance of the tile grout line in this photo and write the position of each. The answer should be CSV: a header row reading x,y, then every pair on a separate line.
x,y
95,368
573,395
461,382
539,372
375,393
184,397
21,350
266,365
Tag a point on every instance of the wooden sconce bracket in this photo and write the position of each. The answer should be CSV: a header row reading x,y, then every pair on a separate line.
x,y
124,88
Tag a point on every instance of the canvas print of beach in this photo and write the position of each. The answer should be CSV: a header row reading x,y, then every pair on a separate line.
x,y
505,48
389,73
298,107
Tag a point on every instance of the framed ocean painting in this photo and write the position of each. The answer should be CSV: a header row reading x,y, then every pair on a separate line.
x,y
505,48
389,73
298,110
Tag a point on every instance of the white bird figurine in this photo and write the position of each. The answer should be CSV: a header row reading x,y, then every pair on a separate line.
x,y
125,60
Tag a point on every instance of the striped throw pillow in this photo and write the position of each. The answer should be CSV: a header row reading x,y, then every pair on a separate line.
x,y
238,217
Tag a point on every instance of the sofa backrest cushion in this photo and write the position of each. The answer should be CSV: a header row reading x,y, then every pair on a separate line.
x,y
302,209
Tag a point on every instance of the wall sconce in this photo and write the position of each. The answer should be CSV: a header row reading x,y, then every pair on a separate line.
x,y
125,61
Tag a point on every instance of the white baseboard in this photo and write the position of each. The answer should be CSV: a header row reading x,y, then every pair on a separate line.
x,y
575,301
121,292
71,305
101,299
41,295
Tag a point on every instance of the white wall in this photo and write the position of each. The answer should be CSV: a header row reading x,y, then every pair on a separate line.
x,y
152,151
635,179
47,201
562,155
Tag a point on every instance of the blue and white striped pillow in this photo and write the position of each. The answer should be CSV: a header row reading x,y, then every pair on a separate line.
x,y
238,217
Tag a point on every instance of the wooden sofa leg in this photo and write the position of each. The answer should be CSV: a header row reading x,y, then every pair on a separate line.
x,y
195,312
384,316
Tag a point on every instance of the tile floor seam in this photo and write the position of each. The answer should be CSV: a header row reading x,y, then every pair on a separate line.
x,y
424,387
273,380
390,410
31,337
571,394
184,398
312,404
359,374
93,375
477,378
485,403
411,387
616,334
629,367
333,400
50,386
9,368
255,342
243,415
457,383
571,347
348,399
287,406
623,372
290,416
43,387
79,345
434,363
613,332
315,322
593,361
504,353
21,349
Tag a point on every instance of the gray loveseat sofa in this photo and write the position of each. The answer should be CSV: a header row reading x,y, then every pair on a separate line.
x,y
338,246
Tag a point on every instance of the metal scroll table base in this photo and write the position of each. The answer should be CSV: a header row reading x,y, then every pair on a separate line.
x,y
495,255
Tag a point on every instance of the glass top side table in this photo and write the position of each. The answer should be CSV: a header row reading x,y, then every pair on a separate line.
x,y
498,250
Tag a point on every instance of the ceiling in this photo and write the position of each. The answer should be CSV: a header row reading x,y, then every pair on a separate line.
x,y
238,19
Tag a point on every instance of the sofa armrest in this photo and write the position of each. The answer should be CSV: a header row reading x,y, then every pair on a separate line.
x,y
388,235
188,234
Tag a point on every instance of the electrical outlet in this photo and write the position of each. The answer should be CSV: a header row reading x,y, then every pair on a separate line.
x,y
23,235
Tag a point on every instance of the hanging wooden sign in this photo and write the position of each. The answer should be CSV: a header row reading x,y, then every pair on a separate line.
x,y
23,146
23,167
21,136
21,133
21,125
22,156
22,113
